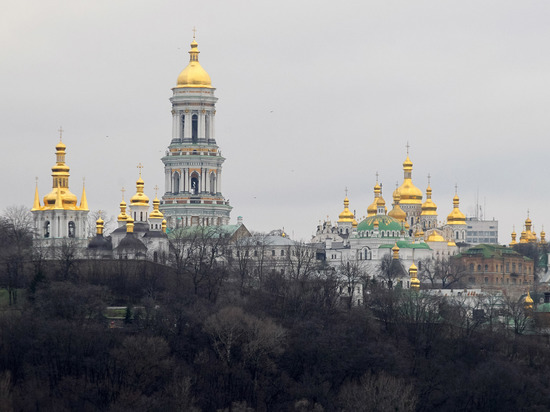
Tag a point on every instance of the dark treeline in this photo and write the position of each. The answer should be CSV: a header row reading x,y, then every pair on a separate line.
x,y
288,345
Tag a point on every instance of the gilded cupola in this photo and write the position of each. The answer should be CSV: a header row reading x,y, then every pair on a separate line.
x,y
429,208
397,213
456,217
140,198
194,75
346,216
415,283
156,213
60,197
410,194
372,209
123,217
513,242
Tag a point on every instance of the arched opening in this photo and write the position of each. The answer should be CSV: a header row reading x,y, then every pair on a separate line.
x,y
213,188
182,133
47,228
72,229
207,126
194,128
195,183
176,183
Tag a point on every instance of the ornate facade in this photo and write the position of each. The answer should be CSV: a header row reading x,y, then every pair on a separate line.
x,y
193,161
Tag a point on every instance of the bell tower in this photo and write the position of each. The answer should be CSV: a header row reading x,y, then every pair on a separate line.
x,y
193,161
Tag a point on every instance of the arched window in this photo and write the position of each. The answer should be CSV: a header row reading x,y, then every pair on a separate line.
x,y
176,183
47,228
207,126
141,216
195,183
182,134
194,128
72,229
213,188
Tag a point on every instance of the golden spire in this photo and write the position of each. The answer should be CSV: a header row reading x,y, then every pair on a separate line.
x,y
528,302
346,216
456,217
542,235
123,216
60,181
156,213
36,204
164,225
194,75
395,250
83,199
410,194
99,224
415,283
513,242
373,208
129,225
429,208
397,213
140,198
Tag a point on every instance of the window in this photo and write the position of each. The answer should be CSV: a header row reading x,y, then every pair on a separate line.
x,y
47,229
272,253
194,128
282,252
176,183
72,229
182,134
471,267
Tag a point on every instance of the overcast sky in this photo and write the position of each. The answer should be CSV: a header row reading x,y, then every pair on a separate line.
x,y
314,97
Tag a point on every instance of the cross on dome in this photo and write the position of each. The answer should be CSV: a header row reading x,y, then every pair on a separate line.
x,y
60,133
140,166
122,190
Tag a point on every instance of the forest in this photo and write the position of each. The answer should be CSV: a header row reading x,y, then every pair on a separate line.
x,y
223,344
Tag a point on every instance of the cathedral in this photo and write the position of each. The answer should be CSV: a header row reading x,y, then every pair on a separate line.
x,y
410,231
192,195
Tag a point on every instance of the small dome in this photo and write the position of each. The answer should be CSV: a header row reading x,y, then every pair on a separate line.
x,y
194,75
429,208
140,198
456,217
435,237
346,215
156,213
410,194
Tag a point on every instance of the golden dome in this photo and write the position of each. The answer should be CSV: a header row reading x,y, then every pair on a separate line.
x,y
528,302
346,216
451,243
99,224
513,242
429,208
456,217
156,213
395,250
60,186
194,75
140,198
122,217
354,223
397,213
435,237
410,194
372,209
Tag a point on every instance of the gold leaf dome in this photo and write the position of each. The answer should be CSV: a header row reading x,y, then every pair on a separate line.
x,y
429,208
140,198
194,75
456,217
372,209
410,194
397,213
346,215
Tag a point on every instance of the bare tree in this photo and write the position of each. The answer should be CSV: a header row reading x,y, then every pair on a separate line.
x,y
109,222
16,228
442,273
390,269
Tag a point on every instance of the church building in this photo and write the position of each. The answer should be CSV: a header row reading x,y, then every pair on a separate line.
x,y
193,161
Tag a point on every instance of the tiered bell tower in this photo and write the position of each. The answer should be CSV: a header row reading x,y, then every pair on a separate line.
x,y
193,161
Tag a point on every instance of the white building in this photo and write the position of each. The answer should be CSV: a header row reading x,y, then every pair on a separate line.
x,y
193,161
60,219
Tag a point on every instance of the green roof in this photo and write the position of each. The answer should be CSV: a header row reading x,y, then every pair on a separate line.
x,y
385,222
491,251
403,244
